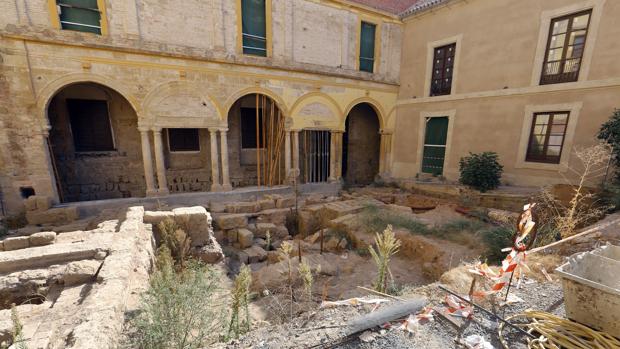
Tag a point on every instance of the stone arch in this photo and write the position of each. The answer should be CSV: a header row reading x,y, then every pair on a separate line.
x,y
373,103
258,90
53,87
316,109
179,102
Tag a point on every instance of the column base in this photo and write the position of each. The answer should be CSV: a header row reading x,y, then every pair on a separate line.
x,y
216,187
163,192
226,187
152,193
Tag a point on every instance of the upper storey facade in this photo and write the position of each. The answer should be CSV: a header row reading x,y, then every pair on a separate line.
x,y
508,46
318,36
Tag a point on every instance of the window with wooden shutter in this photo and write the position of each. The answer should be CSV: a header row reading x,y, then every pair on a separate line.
x,y
547,137
367,47
567,40
183,139
90,125
443,70
254,27
79,15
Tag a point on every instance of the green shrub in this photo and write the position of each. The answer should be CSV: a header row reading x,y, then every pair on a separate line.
x,y
496,239
179,310
481,171
610,133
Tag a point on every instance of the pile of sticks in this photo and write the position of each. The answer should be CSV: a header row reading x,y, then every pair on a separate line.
x,y
269,141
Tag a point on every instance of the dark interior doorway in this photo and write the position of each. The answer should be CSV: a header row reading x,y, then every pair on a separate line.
x,y
360,146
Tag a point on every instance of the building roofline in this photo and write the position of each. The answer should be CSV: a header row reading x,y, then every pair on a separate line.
x,y
422,6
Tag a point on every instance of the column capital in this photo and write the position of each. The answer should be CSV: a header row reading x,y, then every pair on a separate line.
x,y
143,128
223,129
156,129
336,131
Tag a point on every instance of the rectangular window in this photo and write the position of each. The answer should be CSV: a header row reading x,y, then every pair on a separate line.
x,y
443,68
183,139
248,128
547,137
567,39
254,27
80,15
367,47
90,125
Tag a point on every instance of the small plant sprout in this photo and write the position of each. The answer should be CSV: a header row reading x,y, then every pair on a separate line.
x,y
240,301
285,252
268,240
19,342
387,246
305,271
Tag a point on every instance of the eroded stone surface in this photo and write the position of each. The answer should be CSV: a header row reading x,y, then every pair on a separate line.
x,y
43,238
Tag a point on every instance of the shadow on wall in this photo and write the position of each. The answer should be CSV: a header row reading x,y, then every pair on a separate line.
x,y
361,142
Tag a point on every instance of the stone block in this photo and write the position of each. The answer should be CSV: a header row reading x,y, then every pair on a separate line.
x,y
219,235
255,254
80,272
38,203
399,209
211,253
263,228
280,233
273,257
260,243
16,243
242,207
232,236
1,245
196,222
285,202
266,204
245,238
231,221
217,207
43,238
275,216
242,257
155,217
59,215
334,210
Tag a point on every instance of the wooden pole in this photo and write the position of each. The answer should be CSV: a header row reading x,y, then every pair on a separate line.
x,y
257,143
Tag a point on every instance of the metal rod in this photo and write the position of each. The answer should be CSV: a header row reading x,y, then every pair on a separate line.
x,y
509,284
488,312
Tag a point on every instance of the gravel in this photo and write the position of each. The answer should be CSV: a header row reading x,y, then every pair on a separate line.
x,y
323,328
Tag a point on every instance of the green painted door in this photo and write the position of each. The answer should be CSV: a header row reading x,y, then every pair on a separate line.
x,y
435,145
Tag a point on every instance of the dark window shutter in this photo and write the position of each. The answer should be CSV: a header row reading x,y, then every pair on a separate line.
x,y
367,47
80,15
254,27
183,139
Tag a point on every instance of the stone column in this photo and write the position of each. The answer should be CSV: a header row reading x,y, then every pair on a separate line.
x,y
332,156
296,152
215,160
159,162
147,160
224,151
338,152
287,152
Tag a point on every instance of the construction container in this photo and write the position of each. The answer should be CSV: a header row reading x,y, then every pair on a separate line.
x,y
608,251
591,284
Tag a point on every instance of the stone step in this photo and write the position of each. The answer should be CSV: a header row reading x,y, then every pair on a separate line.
x,y
34,257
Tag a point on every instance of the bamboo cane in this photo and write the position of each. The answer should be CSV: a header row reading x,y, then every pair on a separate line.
x,y
257,143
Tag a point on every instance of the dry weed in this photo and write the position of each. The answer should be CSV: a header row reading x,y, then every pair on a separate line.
x,y
387,246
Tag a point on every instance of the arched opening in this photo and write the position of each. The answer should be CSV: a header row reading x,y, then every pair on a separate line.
x,y
360,145
94,144
256,142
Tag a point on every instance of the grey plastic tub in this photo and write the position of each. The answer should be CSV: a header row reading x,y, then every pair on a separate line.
x,y
591,284
608,251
